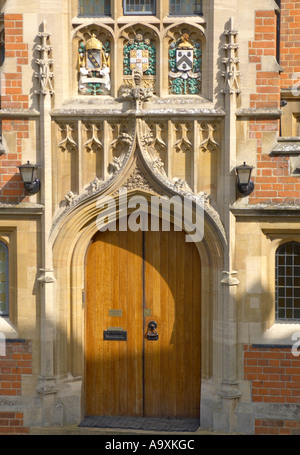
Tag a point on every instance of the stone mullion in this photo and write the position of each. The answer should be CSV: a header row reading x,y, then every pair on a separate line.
x,y
195,156
79,160
105,142
170,155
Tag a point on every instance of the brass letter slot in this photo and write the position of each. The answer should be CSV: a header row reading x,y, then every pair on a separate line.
x,y
115,335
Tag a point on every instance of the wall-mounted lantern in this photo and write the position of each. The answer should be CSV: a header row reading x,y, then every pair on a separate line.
x,y
245,185
28,173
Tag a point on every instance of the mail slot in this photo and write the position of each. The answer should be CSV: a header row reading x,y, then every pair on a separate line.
x,y
115,335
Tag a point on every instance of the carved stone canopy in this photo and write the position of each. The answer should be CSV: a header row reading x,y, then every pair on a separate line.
x,y
118,144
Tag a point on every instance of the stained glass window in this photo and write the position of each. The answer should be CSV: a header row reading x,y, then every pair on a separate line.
x,y
139,6
3,279
94,8
185,7
287,281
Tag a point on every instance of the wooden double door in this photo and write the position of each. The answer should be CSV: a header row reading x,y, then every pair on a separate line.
x,y
133,279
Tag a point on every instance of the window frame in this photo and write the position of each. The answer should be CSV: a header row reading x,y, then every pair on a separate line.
x,y
139,13
285,288
6,312
94,15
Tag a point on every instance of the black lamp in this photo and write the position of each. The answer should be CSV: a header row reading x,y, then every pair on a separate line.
x,y
28,173
245,185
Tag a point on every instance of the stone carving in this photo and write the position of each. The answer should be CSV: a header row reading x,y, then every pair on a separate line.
x,y
185,66
157,137
231,61
176,185
158,166
137,94
46,276
154,143
119,146
93,143
183,143
138,180
67,142
181,185
95,185
208,142
45,73
94,66
70,198
231,279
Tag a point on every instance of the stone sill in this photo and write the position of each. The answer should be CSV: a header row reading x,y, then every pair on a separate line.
x,y
259,112
19,113
279,335
287,146
290,94
265,210
7,328
22,209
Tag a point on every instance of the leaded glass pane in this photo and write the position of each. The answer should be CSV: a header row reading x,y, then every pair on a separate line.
x,y
287,281
185,7
94,8
139,6
3,279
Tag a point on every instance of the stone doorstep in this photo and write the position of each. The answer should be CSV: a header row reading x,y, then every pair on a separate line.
x,y
75,430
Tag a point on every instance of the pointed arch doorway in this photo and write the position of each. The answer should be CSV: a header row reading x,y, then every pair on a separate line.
x,y
132,279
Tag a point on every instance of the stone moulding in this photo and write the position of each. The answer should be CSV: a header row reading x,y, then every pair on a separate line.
x,y
266,210
19,113
287,146
259,112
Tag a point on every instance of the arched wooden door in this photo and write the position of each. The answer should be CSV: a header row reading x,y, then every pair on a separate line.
x,y
133,278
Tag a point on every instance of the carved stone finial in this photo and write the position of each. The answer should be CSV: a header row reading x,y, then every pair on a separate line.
x,y
231,61
45,74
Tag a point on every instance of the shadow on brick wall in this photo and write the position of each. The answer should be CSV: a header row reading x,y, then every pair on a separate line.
x,y
12,190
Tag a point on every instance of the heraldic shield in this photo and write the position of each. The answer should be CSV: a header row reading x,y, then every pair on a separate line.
x,y
94,59
139,59
184,59
94,67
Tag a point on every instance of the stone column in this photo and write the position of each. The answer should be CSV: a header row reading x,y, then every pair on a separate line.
x,y
51,411
225,419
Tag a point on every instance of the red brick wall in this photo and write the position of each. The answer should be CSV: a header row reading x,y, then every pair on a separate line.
x,y
11,423
273,184
277,427
274,373
267,92
13,97
290,38
16,362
